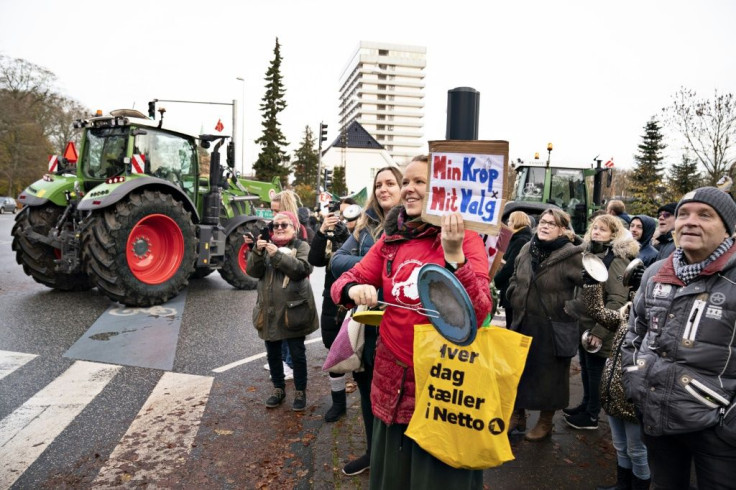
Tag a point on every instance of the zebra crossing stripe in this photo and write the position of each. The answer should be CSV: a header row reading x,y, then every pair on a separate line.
x,y
10,361
28,431
158,441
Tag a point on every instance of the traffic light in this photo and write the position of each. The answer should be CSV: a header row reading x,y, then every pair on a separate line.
x,y
322,132
152,109
328,178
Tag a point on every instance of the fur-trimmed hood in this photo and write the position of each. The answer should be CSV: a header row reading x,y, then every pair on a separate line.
x,y
623,246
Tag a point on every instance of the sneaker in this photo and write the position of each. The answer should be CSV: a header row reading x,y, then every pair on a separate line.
x,y
573,410
582,421
266,367
357,466
300,401
288,372
276,398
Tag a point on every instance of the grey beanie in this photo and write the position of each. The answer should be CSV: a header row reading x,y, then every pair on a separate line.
x,y
720,201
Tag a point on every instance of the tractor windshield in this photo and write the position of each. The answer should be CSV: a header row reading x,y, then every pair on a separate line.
x,y
568,188
529,184
104,152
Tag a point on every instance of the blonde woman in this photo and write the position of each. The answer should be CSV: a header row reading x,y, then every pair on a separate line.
x,y
610,241
521,226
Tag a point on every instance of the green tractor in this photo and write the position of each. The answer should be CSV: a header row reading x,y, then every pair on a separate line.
x,y
139,214
539,186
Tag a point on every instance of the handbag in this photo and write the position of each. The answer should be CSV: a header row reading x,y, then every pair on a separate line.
x,y
565,335
346,351
465,395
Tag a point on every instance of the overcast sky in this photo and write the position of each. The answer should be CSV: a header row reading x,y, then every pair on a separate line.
x,y
584,75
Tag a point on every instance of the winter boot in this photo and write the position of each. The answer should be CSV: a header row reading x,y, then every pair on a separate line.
x,y
518,421
338,408
639,484
623,480
543,429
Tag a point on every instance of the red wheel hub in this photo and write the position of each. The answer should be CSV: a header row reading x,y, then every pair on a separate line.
x,y
155,249
243,256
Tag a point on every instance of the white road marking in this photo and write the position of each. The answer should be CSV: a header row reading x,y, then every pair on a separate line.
x,y
10,361
227,367
162,434
28,431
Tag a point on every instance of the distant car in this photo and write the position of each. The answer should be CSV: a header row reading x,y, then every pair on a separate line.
x,y
7,205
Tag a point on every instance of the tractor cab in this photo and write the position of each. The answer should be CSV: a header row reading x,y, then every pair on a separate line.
x,y
539,186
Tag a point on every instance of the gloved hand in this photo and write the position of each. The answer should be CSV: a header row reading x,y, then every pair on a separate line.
x,y
635,280
587,278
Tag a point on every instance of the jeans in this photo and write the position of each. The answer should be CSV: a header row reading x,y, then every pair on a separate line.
x,y
276,366
286,355
670,458
591,370
631,453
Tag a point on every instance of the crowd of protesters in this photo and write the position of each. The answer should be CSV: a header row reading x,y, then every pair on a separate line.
x,y
655,340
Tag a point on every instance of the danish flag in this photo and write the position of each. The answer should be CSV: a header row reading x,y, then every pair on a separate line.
x,y
609,163
53,163
138,164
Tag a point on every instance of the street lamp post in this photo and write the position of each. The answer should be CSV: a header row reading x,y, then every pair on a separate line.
x,y
242,136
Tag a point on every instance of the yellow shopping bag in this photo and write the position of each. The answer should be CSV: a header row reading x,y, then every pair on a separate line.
x,y
465,395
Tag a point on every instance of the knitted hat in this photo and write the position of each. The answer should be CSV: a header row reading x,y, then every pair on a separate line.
x,y
720,201
290,216
670,207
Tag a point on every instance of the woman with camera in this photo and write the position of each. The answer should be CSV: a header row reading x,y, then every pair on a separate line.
x,y
329,237
285,310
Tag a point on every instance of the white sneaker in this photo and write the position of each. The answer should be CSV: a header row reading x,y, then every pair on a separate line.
x,y
288,372
266,367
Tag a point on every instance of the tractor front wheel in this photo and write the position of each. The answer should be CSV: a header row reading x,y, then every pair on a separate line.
x,y
141,251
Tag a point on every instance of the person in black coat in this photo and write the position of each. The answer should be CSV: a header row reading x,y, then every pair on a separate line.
x,y
327,240
520,225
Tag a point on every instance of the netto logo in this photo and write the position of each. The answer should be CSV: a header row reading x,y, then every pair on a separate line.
x,y
496,426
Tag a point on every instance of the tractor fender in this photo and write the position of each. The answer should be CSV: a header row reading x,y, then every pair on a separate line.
x,y
42,191
105,195
236,221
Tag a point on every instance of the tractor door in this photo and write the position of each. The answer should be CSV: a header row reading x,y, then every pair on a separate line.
x,y
170,157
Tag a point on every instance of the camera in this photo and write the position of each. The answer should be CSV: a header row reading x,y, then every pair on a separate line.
x,y
266,233
333,207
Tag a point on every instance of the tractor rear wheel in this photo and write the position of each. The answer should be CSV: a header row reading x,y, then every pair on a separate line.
x,y
142,250
236,253
39,259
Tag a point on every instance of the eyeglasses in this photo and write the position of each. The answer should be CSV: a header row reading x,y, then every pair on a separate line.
x,y
282,226
664,214
547,223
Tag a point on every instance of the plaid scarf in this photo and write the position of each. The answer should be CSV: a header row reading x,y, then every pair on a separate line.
x,y
688,272
409,227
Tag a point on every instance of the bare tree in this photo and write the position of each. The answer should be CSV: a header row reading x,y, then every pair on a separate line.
x,y
34,122
708,126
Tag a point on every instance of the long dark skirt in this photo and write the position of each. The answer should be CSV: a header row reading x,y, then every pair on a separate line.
x,y
545,383
397,462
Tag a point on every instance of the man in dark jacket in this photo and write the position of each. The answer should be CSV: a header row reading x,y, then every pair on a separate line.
x,y
642,228
665,241
677,357
617,208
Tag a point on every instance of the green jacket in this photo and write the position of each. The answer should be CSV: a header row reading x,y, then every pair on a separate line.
x,y
285,307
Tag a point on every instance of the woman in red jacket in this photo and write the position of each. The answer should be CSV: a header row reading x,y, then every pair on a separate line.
x,y
393,264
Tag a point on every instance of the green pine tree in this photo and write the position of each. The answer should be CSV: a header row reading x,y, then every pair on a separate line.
x,y
305,161
339,187
272,141
646,179
683,178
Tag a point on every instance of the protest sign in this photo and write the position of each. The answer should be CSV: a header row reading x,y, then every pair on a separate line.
x,y
469,177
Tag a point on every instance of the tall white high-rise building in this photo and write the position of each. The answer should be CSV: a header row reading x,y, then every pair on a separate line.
x,y
382,88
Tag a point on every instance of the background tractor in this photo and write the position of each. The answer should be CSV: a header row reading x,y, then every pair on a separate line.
x,y
576,190
139,214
